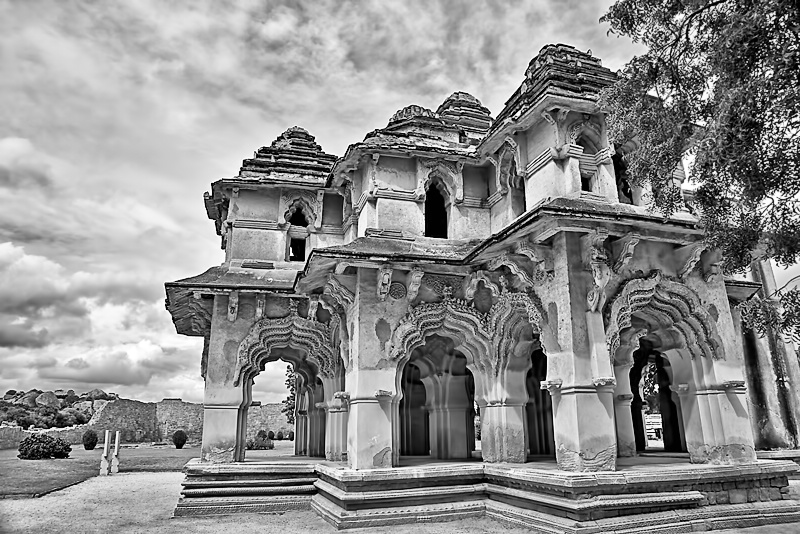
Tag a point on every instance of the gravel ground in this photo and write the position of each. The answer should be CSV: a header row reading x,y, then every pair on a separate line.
x,y
143,502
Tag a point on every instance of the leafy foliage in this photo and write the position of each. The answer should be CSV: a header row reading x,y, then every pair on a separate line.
x,y
261,442
721,79
179,439
288,403
89,440
41,447
279,435
290,436
41,416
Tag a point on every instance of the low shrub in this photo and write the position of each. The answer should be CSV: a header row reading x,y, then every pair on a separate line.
x,y
262,434
61,448
291,435
270,435
260,444
279,435
42,447
89,440
179,439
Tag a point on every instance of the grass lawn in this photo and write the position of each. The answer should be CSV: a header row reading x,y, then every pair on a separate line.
x,y
25,478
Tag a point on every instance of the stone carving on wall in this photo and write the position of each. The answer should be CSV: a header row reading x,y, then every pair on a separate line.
x,y
339,293
507,165
449,174
384,281
439,283
397,290
595,258
309,201
678,316
233,305
414,282
627,246
307,335
504,259
472,285
542,258
585,126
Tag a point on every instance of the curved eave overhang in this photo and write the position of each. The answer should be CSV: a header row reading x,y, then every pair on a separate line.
x,y
552,216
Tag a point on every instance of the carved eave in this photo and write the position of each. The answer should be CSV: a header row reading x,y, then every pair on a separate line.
x,y
191,313
551,216
741,290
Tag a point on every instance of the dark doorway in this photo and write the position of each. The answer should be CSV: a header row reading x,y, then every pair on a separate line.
x,y
414,425
539,409
297,250
298,218
435,214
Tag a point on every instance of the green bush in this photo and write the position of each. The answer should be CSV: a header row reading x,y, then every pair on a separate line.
x,y
270,435
89,440
262,434
179,439
279,436
260,444
61,448
291,435
42,446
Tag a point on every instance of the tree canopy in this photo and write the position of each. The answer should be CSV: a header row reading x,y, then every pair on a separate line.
x,y
719,83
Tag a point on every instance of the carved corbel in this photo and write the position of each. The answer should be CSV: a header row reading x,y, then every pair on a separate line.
x,y
553,386
413,282
382,394
384,281
313,304
339,293
542,258
320,200
604,381
233,305
710,262
595,260
504,259
688,256
626,247
472,285
261,303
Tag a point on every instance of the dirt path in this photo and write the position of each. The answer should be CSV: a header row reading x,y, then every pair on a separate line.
x,y
143,502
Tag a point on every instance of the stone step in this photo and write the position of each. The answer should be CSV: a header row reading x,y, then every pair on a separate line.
x,y
224,491
241,504
192,483
400,497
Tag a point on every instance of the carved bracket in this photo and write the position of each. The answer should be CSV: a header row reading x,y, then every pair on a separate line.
x,y
233,305
604,381
542,258
472,285
261,303
413,282
625,247
504,259
313,304
339,293
688,256
384,281
595,260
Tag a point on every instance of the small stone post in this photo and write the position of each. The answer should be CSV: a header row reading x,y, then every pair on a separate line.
x,y
104,465
115,458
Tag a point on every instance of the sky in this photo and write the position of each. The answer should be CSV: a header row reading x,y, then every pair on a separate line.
x,y
115,117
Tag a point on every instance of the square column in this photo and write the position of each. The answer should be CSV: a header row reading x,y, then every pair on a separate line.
x,y
583,420
626,438
337,414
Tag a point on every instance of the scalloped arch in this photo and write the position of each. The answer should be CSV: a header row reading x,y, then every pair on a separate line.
x,y
674,312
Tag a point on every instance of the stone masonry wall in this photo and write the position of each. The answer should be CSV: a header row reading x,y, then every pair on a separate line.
x,y
150,421
174,414
267,417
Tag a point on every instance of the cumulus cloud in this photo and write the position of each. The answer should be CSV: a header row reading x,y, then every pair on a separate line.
x,y
117,115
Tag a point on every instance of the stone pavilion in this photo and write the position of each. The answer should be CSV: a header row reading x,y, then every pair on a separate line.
x,y
452,265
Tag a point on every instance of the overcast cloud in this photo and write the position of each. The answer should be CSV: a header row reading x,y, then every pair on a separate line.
x,y
116,115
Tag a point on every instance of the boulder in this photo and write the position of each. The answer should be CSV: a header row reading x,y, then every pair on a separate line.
x,y
28,399
97,394
48,398
85,407
71,399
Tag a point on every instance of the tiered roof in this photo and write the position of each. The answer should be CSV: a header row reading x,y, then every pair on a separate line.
x,y
293,155
465,111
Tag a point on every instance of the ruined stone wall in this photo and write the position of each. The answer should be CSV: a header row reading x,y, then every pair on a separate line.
x,y
267,417
135,420
174,414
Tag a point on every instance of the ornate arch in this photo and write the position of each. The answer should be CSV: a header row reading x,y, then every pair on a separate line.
x,y
307,335
447,173
674,312
291,201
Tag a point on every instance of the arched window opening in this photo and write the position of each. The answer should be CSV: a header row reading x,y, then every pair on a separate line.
x,y
588,168
435,213
297,236
517,186
624,190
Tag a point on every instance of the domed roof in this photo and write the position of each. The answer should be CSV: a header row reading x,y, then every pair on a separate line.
x,y
465,110
294,154
410,112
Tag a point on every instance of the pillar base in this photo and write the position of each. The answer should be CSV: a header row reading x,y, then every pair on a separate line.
x,y
503,433
584,428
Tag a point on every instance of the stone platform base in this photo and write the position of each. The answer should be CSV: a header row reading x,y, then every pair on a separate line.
x,y
652,498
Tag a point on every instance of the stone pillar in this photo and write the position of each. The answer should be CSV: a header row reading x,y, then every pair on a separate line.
x,y
450,408
336,414
503,399
224,403
626,439
370,422
301,433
